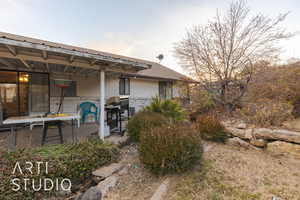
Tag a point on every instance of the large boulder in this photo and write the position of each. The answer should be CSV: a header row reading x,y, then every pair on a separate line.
x,y
92,193
241,133
241,125
107,184
284,148
258,142
107,171
277,134
236,141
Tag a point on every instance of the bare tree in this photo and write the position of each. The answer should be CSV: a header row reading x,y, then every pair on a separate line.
x,y
223,53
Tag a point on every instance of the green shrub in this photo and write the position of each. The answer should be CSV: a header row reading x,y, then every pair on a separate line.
x,y
144,120
173,148
168,108
75,162
211,128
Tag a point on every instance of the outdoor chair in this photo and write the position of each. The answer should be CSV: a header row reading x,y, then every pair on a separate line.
x,y
88,108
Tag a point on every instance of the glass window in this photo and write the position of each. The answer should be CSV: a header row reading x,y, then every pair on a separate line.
x,y
124,86
22,93
165,89
39,93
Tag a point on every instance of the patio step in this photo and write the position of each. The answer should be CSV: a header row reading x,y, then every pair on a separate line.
x,y
107,171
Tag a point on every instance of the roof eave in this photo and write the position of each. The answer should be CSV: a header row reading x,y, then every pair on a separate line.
x,y
43,47
159,78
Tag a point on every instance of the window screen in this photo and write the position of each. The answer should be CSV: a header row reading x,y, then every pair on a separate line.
x,y
124,86
165,90
39,92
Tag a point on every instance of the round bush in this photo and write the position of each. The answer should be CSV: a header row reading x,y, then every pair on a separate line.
x,y
173,148
211,128
144,120
168,108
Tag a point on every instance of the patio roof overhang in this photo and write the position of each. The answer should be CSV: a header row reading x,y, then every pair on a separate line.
x,y
37,55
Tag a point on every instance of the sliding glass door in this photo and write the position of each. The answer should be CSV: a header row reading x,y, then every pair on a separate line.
x,y
39,93
9,93
24,93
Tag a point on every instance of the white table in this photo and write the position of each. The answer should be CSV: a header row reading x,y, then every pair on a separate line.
x,y
14,121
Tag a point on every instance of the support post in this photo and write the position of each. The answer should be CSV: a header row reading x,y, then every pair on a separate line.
x,y
102,102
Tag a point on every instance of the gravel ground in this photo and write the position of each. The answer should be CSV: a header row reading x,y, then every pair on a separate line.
x,y
137,182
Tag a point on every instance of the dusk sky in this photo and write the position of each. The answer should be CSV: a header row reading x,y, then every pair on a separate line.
x,y
135,28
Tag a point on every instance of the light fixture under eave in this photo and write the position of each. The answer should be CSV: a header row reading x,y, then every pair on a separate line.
x,y
23,79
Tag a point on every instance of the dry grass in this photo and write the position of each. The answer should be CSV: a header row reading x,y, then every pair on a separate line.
x,y
229,173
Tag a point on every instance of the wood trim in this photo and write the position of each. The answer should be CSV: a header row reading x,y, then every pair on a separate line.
x,y
62,62
26,44
11,49
25,63
45,55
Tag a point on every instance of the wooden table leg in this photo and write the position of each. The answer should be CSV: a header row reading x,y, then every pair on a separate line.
x,y
72,124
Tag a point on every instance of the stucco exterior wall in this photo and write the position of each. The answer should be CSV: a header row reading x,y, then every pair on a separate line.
x,y
87,89
143,88
141,92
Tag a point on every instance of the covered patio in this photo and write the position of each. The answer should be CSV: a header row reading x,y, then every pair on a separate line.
x,y
29,66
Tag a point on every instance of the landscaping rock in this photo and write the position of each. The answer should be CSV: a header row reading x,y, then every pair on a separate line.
x,y
248,133
96,179
123,171
107,171
258,142
91,194
236,141
241,133
277,134
108,183
241,125
161,190
284,148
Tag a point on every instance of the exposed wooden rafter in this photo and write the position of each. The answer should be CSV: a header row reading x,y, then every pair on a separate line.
x,y
25,63
61,62
72,58
11,49
105,58
45,55
93,62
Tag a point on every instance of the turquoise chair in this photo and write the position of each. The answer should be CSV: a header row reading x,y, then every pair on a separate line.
x,y
86,109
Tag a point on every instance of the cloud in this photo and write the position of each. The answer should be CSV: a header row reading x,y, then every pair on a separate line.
x,y
155,38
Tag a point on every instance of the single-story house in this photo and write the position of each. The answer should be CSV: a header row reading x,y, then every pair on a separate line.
x,y
28,68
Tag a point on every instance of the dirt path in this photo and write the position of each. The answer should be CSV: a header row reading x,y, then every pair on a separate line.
x,y
137,182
